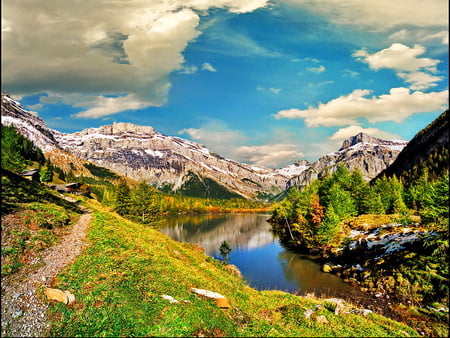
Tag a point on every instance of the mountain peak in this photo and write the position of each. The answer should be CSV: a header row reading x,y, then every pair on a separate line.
x,y
365,138
358,138
119,128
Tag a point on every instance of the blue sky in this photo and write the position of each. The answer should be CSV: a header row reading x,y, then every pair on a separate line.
x,y
262,82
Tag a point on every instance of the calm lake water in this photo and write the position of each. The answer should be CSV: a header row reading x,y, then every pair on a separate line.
x,y
263,261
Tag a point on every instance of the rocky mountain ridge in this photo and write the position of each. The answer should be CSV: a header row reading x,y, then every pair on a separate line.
x,y
368,154
143,154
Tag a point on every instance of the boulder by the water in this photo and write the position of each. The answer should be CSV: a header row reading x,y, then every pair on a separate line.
x,y
220,300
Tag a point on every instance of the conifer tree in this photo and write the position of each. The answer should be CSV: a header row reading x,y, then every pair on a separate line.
x,y
122,200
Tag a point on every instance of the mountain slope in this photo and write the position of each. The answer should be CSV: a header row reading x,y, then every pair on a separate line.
x,y
429,148
140,153
143,154
368,154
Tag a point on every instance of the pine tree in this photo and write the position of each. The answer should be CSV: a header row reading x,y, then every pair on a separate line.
x,y
122,200
329,225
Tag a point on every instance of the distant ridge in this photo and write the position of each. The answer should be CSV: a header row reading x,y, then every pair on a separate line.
x,y
428,148
370,155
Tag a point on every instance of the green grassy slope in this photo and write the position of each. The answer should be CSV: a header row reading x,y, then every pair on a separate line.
x,y
121,276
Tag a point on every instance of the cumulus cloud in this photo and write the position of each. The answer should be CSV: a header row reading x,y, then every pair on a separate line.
x,y
271,155
398,57
353,130
420,80
381,14
317,70
217,137
347,109
406,62
86,47
207,66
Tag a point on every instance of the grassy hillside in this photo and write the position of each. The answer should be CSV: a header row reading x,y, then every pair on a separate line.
x,y
121,277
33,218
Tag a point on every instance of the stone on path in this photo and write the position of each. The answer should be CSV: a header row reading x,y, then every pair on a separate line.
x,y
60,296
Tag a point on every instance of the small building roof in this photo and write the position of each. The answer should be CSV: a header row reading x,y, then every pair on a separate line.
x,y
73,185
30,172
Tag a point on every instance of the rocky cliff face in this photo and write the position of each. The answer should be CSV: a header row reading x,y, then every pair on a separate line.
x,y
368,154
144,154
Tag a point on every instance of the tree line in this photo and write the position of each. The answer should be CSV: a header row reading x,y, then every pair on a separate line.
x,y
309,217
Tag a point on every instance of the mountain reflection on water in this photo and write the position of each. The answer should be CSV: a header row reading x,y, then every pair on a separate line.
x,y
263,261
209,231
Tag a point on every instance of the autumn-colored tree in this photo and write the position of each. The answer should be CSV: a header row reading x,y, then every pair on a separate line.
x,y
316,212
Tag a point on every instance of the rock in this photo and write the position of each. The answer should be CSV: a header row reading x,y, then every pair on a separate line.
x,y
327,268
308,313
234,270
339,305
60,296
220,300
322,319
169,298
363,312
70,297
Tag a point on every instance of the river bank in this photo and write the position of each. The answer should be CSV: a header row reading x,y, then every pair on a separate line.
x,y
402,270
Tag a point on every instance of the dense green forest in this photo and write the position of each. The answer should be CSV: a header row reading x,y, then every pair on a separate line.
x,y
17,151
320,218
310,217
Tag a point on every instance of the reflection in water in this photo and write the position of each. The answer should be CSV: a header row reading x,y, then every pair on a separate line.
x,y
209,231
265,264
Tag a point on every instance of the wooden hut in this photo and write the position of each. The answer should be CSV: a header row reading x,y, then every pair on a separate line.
x,y
73,188
32,174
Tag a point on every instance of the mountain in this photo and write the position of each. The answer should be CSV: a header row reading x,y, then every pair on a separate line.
x,y
368,154
429,148
141,153
176,164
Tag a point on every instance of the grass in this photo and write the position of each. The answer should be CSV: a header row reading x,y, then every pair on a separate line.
x,y
33,218
121,276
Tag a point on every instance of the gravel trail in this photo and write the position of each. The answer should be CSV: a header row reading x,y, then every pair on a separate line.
x,y
23,315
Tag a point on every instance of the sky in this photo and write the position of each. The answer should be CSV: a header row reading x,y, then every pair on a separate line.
x,y
264,82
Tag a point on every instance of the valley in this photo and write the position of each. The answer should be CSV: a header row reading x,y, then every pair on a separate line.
x,y
336,208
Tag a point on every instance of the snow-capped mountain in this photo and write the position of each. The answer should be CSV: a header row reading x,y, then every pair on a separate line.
x,y
143,154
368,154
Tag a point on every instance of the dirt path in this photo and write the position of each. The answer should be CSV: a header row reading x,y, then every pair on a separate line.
x,y
23,315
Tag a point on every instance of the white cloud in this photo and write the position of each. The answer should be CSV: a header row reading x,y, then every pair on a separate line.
x,y
381,14
207,66
395,106
275,90
320,84
102,47
317,70
217,137
350,73
398,57
188,69
104,106
270,155
420,80
405,61
411,35
345,133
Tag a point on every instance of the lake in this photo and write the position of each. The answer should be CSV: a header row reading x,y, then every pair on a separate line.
x,y
256,251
